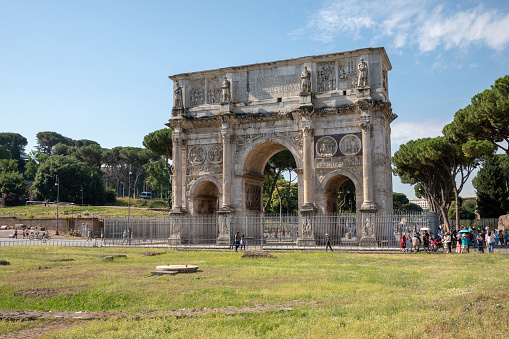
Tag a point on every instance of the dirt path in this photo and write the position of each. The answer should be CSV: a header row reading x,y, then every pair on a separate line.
x,y
59,320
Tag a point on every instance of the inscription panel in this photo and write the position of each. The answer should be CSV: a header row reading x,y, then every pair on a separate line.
x,y
239,87
349,161
271,83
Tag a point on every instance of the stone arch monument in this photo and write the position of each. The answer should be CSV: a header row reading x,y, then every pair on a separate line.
x,y
332,112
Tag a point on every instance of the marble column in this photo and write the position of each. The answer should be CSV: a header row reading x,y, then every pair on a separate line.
x,y
177,139
226,135
307,167
368,203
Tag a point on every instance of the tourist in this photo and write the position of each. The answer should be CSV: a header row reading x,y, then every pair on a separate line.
x,y
458,242
480,241
89,234
37,232
102,234
464,243
124,236
490,240
416,242
242,243
495,233
437,243
327,245
409,242
237,241
15,236
448,243
403,242
425,240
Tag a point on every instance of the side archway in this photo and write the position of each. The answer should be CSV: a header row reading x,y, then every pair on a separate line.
x,y
205,195
330,185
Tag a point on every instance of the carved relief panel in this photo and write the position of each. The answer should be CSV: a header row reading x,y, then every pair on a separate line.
x,y
326,76
197,92
385,80
347,74
215,154
326,147
197,155
338,145
350,144
213,90
253,195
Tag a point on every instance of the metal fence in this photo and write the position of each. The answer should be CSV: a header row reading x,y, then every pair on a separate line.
x,y
491,223
53,242
292,231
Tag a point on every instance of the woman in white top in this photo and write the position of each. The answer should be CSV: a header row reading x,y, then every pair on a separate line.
x,y
490,240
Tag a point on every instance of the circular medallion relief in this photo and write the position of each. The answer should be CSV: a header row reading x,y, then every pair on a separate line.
x,y
215,154
350,144
197,155
326,147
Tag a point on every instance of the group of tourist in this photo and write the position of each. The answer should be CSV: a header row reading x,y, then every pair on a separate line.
x,y
462,241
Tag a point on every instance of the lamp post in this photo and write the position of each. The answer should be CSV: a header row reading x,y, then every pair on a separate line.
x,y
129,208
81,195
57,183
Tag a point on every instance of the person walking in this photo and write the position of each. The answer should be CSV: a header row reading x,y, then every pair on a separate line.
x,y
403,242
409,242
237,241
242,243
327,245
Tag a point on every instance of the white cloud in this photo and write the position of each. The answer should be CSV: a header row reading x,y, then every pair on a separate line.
x,y
402,132
425,25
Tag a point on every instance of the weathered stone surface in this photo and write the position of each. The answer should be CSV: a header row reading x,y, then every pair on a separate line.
x,y
332,112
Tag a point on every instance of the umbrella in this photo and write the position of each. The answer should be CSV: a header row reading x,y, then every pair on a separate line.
x,y
464,231
424,229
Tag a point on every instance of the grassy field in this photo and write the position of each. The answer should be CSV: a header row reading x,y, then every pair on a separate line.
x,y
139,207
302,295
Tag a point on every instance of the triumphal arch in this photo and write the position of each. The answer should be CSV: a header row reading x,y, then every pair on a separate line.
x,y
331,111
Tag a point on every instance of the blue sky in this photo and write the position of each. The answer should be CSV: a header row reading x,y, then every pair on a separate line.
x,y
99,69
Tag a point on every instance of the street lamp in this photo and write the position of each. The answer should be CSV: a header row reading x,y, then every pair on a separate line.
x,y
81,195
129,208
57,183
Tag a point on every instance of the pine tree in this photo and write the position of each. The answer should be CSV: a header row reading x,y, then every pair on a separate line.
x,y
492,194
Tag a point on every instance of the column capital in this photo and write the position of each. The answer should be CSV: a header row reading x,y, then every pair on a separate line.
x,y
365,124
308,131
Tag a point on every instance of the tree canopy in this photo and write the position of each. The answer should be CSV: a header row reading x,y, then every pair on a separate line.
x,y
279,162
491,186
486,118
160,143
72,176
12,185
16,144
